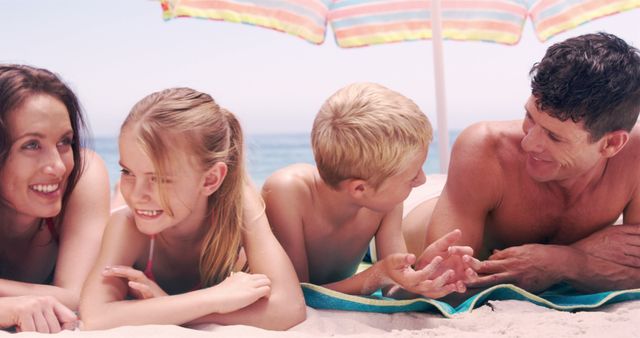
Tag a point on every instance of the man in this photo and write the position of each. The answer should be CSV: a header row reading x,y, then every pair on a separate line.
x,y
537,197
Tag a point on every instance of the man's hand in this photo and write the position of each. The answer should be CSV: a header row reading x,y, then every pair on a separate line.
x,y
533,267
43,314
617,243
140,286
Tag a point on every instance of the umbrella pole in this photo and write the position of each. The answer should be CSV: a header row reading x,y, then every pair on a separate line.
x,y
438,67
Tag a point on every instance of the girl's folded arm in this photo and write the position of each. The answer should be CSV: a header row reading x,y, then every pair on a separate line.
x,y
285,306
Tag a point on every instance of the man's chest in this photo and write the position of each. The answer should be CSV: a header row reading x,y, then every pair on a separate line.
x,y
543,218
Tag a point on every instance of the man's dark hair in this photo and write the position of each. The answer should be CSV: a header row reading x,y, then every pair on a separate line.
x,y
593,78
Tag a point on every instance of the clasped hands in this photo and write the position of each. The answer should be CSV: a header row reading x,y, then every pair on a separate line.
x,y
441,269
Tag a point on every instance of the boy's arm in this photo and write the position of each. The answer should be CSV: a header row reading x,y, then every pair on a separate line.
x,y
389,240
284,196
393,268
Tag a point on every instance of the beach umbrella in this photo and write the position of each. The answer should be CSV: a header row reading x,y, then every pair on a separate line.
x,y
357,23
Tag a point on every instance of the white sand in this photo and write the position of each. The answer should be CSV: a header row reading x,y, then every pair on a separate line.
x,y
496,319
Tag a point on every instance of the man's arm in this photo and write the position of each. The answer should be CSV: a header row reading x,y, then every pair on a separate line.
x,y
472,190
612,255
608,259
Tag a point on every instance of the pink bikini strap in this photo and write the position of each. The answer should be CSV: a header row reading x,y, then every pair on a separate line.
x,y
148,270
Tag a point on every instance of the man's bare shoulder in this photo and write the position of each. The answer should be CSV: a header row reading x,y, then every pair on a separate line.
x,y
623,165
488,143
484,159
293,182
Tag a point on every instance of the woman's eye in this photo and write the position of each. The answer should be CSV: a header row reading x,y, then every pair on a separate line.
x,y
125,172
31,145
67,141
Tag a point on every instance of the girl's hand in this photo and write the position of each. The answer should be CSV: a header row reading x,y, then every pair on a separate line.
x,y
43,314
239,290
140,286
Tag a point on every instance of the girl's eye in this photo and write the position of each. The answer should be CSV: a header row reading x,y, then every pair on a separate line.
x,y
31,145
125,172
160,180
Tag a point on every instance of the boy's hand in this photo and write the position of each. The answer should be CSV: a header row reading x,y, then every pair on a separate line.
x,y
140,286
427,282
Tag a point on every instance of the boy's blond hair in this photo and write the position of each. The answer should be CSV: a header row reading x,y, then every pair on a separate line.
x,y
366,131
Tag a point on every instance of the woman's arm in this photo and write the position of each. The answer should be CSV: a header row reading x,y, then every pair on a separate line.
x,y
81,230
285,306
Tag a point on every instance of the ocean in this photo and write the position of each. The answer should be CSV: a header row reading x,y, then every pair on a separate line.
x,y
265,153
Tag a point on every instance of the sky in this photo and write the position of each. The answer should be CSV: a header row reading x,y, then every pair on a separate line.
x,y
113,53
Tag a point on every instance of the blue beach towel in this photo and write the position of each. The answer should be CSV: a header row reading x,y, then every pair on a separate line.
x,y
561,297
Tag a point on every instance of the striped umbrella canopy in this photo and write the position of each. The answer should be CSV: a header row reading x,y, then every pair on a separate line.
x,y
357,23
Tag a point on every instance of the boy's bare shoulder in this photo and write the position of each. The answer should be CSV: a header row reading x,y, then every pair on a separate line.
x,y
293,182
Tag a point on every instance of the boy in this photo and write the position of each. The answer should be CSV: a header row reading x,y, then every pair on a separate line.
x,y
369,144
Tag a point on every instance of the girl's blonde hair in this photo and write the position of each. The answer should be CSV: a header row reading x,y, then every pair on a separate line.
x,y
186,118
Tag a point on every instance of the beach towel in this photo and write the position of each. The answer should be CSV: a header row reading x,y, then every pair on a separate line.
x,y
561,297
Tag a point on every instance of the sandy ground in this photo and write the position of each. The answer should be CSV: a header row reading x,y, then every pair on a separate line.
x,y
497,319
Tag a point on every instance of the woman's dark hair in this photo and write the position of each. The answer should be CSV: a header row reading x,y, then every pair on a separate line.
x,y
19,83
594,78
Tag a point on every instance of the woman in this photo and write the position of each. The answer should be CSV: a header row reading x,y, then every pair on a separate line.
x,y
54,201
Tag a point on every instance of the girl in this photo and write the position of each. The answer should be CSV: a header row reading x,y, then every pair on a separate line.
x,y
192,228
54,201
